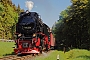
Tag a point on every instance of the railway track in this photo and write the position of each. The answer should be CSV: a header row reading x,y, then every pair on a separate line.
x,y
24,57
27,57
15,57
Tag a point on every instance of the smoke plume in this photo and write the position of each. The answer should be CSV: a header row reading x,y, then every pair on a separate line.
x,y
29,5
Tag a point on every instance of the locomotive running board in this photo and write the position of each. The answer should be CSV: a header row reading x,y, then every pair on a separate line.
x,y
30,52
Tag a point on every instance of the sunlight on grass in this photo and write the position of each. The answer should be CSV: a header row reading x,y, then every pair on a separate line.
x,y
6,48
52,56
75,54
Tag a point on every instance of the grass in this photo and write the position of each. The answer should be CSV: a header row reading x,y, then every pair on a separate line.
x,y
6,48
52,56
75,54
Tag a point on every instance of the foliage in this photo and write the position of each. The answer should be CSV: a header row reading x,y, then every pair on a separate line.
x,y
8,18
75,30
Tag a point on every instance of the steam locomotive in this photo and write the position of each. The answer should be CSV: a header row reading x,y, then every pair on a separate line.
x,y
33,36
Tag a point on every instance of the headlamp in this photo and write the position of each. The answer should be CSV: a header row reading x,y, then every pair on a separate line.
x,y
19,35
34,35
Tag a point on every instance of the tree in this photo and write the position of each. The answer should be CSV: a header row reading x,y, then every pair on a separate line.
x,y
74,31
8,18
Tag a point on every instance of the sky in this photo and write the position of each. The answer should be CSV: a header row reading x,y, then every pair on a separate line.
x,y
49,10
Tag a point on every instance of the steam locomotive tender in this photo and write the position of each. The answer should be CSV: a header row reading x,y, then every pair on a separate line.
x,y
33,36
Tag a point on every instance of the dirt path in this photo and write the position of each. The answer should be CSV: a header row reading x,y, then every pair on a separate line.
x,y
44,55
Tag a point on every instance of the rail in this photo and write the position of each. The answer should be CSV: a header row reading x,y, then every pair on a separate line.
x,y
5,40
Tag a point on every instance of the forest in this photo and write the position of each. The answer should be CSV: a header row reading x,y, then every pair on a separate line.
x,y
8,18
72,30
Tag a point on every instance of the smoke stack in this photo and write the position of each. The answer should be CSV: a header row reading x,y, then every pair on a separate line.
x,y
29,5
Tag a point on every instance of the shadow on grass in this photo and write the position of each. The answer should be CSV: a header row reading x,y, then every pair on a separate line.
x,y
9,54
63,49
85,56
